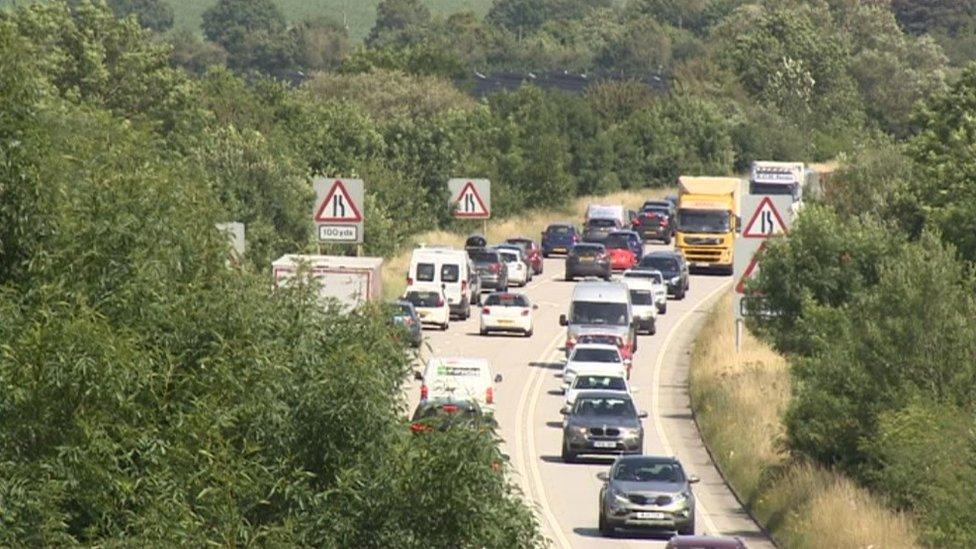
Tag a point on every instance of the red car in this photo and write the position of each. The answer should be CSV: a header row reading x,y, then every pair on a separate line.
x,y
621,251
532,252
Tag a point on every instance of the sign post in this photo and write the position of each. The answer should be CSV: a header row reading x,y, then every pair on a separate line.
x,y
768,216
337,212
471,199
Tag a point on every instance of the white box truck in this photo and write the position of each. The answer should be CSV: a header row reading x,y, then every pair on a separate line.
x,y
351,281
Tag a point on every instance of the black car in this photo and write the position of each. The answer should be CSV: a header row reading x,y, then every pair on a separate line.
x,y
674,268
475,241
656,221
597,229
602,422
491,269
588,260
441,414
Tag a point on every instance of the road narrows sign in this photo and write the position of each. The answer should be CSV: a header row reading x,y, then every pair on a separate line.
x,y
338,210
470,198
765,222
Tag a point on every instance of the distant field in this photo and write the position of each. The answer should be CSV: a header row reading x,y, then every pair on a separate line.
x,y
358,14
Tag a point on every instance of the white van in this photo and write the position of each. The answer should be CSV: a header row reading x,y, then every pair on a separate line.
x,y
449,270
460,378
604,305
607,211
643,302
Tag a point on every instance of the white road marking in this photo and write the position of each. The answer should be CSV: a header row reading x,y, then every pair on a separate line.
x,y
656,399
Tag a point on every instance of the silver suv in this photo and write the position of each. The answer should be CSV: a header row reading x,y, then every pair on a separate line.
x,y
647,492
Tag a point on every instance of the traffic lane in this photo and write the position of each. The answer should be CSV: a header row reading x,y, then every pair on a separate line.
x,y
573,489
510,355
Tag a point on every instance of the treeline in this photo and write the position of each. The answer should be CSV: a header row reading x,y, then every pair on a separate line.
x,y
874,291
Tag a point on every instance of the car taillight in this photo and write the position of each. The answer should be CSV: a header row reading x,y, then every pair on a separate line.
x,y
525,312
449,408
495,268
409,281
485,311
664,222
575,238
489,395
419,427
423,392
464,285
440,301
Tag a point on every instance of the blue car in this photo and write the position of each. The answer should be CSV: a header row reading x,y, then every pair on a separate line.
x,y
405,316
559,238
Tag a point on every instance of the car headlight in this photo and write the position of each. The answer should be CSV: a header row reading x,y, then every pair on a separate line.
x,y
682,498
675,280
617,497
629,433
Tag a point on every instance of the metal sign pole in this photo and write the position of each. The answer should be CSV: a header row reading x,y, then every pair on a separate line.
x,y
738,336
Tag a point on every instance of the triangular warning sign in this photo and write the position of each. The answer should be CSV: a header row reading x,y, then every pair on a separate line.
x,y
338,206
469,203
751,269
766,222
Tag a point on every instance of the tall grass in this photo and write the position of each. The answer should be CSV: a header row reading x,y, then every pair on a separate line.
x,y
738,400
530,224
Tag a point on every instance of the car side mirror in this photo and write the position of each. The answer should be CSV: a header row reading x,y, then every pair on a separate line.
x,y
418,375
443,286
692,479
603,476
564,410
642,415
563,321
498,378
535,307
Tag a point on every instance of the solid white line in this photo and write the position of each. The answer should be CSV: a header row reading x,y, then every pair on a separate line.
x,y
656,400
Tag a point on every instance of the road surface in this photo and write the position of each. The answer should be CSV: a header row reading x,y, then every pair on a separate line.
x,y
528,401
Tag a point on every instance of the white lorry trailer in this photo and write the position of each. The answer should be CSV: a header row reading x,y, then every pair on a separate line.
x,y
351,281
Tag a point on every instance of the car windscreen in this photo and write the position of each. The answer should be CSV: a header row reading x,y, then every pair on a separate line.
x,y
586,250
703,221
641,297
648,471
560,230
483,256
653,276
605,383
600,340
423,299
655,210
596,355
599,312
601,223
509,257
506,300
618,241
402,309
667,265
425,272
450,273
611,407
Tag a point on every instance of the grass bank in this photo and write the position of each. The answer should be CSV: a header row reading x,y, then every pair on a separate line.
x,y
738,400
528,224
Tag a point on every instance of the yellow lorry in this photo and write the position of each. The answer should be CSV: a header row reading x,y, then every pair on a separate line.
x,y
708,219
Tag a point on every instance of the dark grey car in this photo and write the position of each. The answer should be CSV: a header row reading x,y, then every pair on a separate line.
x,y
588,260
674,268
602,422
492,271
597,229
647,492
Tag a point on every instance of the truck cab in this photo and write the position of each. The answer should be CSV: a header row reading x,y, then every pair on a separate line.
x,y
707,221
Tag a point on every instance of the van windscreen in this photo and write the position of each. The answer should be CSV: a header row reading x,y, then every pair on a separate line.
x,y
599,312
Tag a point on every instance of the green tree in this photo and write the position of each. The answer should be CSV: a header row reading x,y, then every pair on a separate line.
x,y
252,32
320,44
156,15
399,23
523,17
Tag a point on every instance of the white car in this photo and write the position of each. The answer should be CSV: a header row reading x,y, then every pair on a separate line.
x,y
507,312
518,271
660,287
599,380
431,305
594,357
643,303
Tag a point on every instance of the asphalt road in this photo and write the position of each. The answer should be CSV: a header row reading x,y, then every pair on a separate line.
x,y
528,403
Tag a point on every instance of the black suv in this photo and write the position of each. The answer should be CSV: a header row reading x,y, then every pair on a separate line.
x,y
656,221
673,267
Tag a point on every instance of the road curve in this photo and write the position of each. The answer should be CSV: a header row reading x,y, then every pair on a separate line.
x,y
528,403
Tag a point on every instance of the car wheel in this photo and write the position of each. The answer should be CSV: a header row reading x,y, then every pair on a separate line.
x,y
568,457
483,331
680,296
664,310
653,329
528,333
570,278
605,529
667,241
689,529
445,326
467,312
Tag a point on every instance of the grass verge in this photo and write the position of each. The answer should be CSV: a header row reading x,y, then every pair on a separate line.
x,y
528,224
738,400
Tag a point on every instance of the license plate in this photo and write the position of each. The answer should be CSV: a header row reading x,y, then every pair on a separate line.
x,y
423,315
505,322
604,444
559,250
651,515
586,260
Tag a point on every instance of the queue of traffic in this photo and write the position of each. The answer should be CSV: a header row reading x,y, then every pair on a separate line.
x,y
620,295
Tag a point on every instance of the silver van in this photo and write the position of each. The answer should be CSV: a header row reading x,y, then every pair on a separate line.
x,y
604,305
